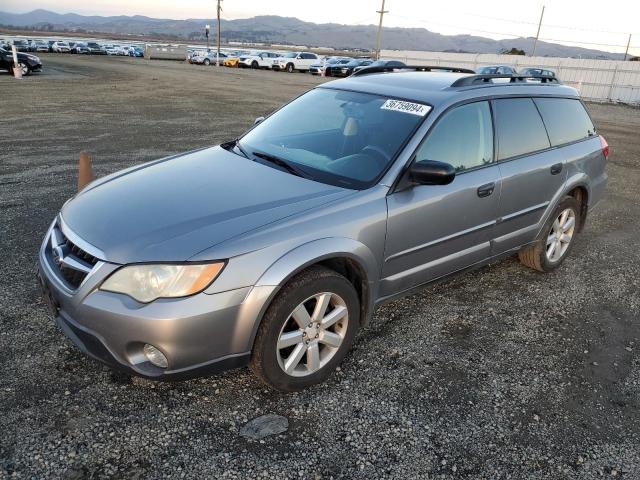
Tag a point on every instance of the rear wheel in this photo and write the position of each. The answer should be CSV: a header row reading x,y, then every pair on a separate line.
x,y
306,331
557,238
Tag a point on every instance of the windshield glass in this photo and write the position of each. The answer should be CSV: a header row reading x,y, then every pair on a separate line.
x,y
291,55
337,137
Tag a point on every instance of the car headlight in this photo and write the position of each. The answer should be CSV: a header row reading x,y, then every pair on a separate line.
x,y
146,283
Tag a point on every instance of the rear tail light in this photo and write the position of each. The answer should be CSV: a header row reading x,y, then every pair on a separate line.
x,y
605,147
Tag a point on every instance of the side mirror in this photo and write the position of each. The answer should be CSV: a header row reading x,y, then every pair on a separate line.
x,y
258,120
431,172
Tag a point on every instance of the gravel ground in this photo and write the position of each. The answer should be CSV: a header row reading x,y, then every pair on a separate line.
x,y
499,373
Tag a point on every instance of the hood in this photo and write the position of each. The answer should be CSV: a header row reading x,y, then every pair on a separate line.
x,y
171,209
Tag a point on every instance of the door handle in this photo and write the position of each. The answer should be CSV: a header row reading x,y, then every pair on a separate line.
x,y
486,190
556,169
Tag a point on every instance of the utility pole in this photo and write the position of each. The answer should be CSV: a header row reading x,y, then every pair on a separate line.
x,y
626,52
535,44
218,55
382,11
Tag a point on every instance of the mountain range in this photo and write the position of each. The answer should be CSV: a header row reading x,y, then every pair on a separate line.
x,y
271,29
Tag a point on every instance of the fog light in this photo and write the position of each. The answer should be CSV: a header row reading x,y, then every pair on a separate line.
x,y
155,356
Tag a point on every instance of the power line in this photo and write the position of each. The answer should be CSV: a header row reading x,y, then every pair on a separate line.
x,y
565,27
429,22
589,43
504,34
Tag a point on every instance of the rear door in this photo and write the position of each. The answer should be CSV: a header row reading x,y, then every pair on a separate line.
x,y
433,230
532,172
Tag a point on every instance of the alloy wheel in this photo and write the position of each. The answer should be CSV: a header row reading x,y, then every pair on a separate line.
x,y
561,234
312,334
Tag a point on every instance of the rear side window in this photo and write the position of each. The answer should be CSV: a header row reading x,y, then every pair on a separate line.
x,y
463,137
566,120
519,128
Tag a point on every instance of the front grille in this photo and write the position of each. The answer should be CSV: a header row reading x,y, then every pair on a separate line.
x,y
71,262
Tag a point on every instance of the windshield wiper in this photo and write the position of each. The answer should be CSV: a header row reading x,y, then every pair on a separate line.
x,y
235,144
282,163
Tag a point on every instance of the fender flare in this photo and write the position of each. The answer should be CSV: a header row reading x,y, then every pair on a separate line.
x,y
577,180
307,254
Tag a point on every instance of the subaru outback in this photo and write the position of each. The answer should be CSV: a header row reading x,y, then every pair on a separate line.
x,y
275,248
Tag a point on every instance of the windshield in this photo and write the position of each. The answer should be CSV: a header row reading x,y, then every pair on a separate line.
x,y
337,137
291,55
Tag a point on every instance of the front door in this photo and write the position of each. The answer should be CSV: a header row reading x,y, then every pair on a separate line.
x,y
433,230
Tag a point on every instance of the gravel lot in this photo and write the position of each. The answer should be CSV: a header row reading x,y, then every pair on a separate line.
x,y
499,373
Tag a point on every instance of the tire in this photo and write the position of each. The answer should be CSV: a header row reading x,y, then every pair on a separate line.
x,y
318,351
26,69
537,255
290,68
207,62
254,65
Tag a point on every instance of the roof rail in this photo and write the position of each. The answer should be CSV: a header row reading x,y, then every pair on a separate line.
x,y
513,78
414,68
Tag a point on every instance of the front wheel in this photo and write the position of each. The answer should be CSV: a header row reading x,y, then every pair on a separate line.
x,y
290,68
557,238
207,62
306,331
24,69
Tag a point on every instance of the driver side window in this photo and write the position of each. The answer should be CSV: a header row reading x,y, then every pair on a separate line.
x,y
462,137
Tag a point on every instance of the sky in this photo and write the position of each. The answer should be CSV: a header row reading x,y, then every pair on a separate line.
x,y
586,23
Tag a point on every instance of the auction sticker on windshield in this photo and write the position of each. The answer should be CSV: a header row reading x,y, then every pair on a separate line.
x,y
406,107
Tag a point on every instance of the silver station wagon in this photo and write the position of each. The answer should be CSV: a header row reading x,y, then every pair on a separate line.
x,y
274,249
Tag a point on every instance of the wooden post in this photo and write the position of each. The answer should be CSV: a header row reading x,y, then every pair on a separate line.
x,y
85,172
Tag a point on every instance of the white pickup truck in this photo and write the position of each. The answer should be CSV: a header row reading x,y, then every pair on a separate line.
x,y
292,61
258,59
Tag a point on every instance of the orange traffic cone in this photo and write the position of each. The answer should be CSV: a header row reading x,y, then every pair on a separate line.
x,y
85,172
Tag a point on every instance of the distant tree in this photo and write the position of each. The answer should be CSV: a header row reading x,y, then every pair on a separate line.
x,y
513,51
634,59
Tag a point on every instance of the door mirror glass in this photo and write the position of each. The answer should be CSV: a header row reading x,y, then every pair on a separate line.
x,y
258,120
431,172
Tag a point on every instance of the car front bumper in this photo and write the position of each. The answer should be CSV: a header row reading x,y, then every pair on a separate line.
x,y
200,334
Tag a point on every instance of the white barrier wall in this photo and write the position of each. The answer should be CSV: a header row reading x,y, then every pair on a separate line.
x,y
596,80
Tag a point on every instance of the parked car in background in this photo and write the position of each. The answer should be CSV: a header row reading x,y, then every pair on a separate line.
x,y
538,71
26,62
21,45
496,70
257,60
42,46
333,69
60,47
319,68
136,52
211,58
295,61
111,50
80,48
382,63
96,49
349,67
